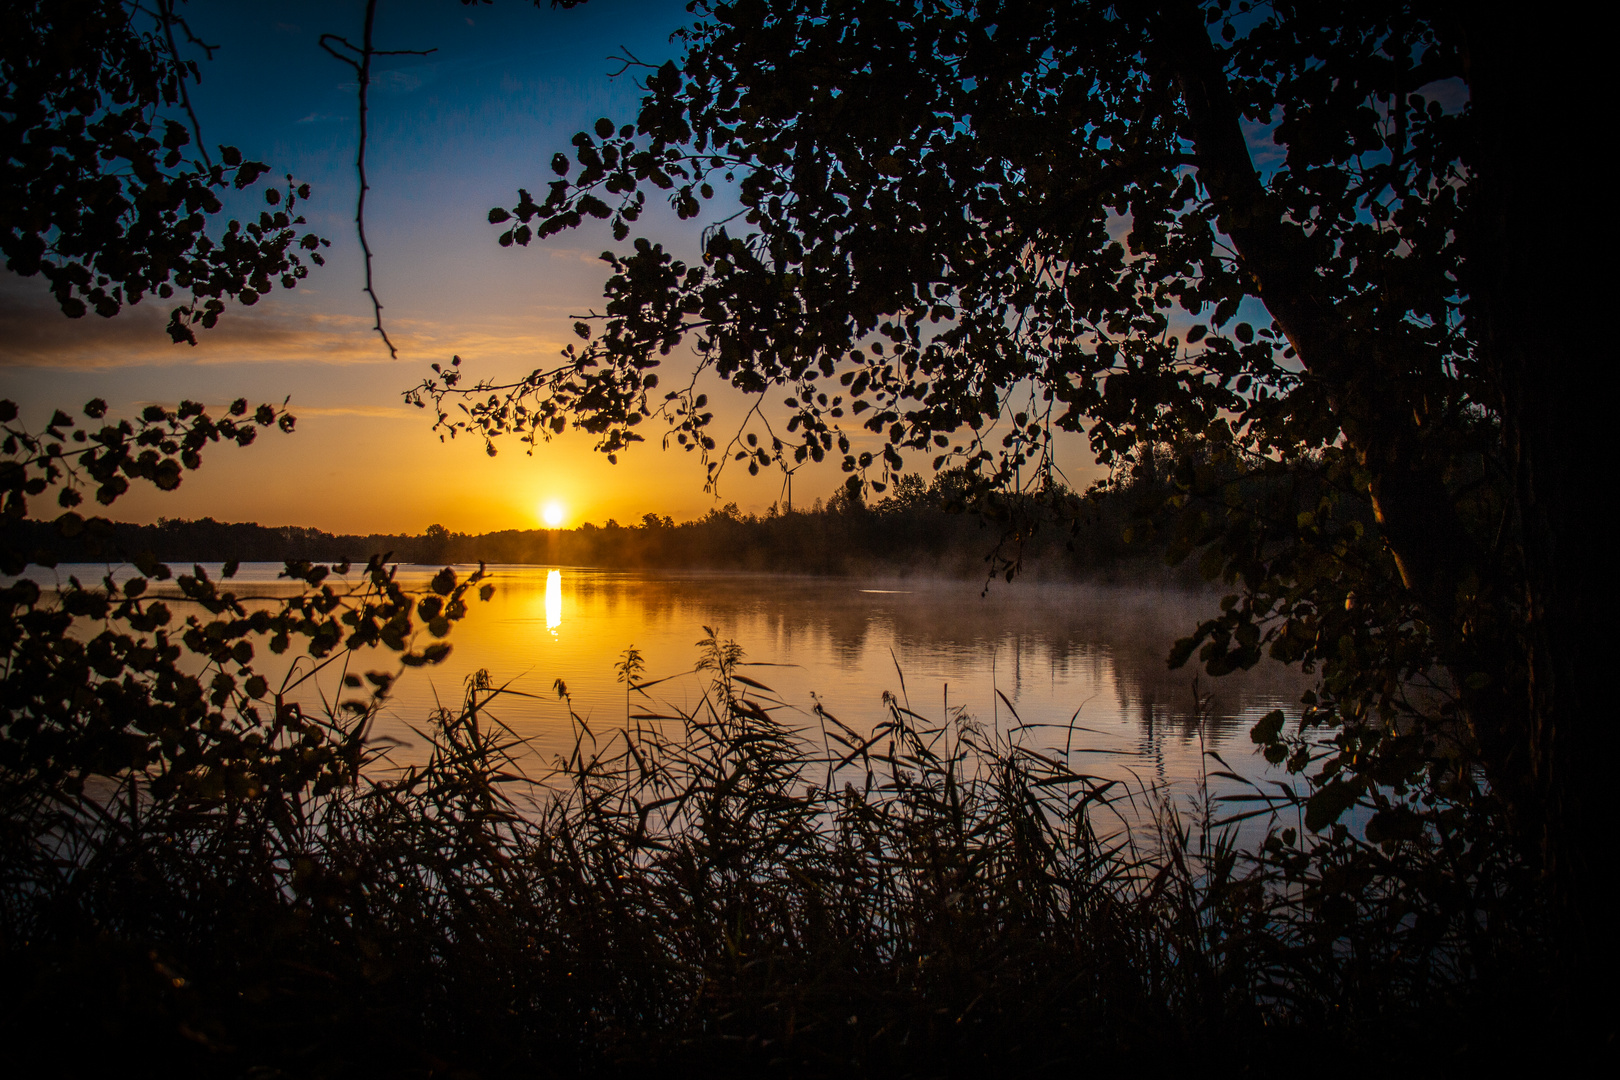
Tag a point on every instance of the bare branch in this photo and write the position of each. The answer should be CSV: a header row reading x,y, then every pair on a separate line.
x,y
628,61
359,58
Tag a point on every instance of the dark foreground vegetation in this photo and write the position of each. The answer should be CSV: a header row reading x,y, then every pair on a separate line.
x,y
266,897
199,871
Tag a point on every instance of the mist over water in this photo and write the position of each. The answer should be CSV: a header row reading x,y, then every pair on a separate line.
x,y
1076,670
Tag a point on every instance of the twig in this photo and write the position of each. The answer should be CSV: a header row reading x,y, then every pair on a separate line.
x,y
627,61
360,61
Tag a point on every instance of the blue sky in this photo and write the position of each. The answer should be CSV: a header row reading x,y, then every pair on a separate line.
x,y
452,134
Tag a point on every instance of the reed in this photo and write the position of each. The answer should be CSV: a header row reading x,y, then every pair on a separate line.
x,y
708,886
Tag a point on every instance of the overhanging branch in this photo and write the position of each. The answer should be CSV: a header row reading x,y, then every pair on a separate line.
x,y
359,58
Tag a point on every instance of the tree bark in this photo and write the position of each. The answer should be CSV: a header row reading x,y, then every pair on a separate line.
x,y
1415,512
1543,748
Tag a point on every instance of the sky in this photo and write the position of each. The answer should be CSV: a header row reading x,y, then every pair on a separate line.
x,y
452,134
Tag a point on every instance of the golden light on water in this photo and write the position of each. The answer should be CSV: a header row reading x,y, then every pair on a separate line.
x,y
553,601
553,513
1050,650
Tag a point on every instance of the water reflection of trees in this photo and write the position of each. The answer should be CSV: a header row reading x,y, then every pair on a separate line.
x,y
1117,635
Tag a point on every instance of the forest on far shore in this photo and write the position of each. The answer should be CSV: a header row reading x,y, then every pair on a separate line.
x,y
919,529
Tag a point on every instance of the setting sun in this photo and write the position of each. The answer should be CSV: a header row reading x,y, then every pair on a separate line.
x,y
552,513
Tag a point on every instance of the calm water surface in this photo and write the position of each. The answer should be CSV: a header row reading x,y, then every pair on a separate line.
x,y
1074,669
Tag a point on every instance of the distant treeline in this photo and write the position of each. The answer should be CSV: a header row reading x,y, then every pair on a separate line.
x,y
1059,534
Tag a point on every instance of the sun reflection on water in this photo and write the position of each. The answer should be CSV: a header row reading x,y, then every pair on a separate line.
x,y
553,601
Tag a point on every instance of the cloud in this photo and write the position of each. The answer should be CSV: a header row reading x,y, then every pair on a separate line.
x,y
593,257
1266,154
396,82
34,333
1451,94
384,412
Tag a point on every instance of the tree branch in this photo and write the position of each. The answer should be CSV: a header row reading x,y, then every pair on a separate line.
x,y
360,61
1415,513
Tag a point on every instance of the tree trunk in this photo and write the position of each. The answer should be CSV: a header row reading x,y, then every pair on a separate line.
x,y
1529,279
1414,510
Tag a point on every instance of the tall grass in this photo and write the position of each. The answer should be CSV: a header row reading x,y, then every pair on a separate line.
x,y
701,887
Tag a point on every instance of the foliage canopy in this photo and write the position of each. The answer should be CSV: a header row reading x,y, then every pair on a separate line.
x,y
96,192
1270,259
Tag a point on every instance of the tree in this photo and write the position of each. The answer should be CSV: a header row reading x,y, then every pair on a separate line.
x,y
1288,244
154,783
96,189
108,210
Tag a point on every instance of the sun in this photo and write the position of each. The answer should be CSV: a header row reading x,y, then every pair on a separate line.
x,y
553,513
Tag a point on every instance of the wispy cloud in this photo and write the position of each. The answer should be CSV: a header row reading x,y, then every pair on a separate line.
x,y
1451,94
575,254
377,411
33,333
395,81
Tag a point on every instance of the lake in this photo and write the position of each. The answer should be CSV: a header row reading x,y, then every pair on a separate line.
x,y
1075,669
